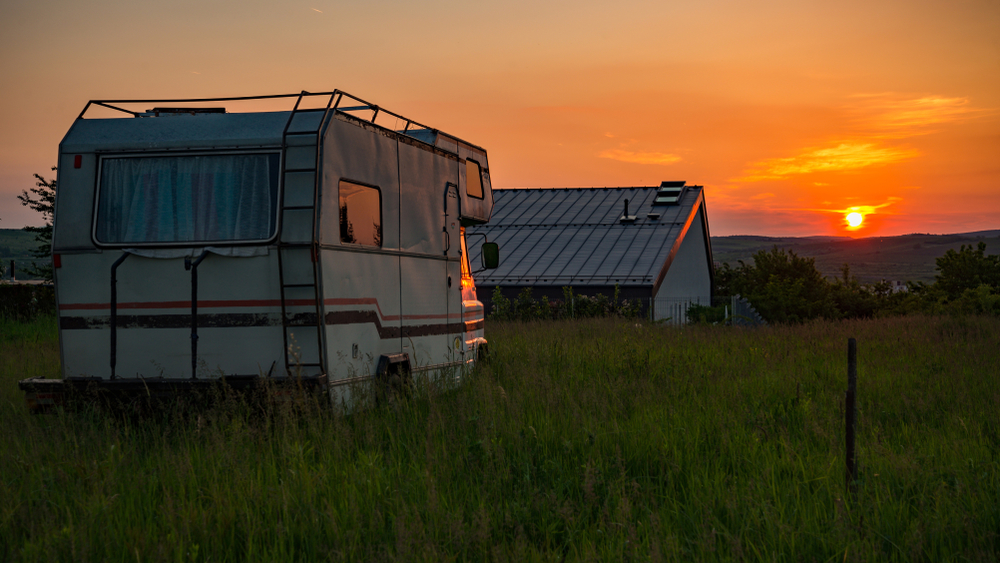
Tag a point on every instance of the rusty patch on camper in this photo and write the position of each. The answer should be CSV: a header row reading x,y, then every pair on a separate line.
x,y
362,317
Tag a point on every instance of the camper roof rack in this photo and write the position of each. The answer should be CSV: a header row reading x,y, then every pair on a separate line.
x,y
337,101
156,112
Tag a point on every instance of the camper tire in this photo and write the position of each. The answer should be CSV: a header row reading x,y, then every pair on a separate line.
x,y
393,387
392,379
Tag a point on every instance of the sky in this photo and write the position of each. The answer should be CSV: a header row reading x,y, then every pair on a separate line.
x,y
792,114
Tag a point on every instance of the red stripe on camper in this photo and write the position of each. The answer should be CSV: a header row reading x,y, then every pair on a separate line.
x,y
209,304
185,304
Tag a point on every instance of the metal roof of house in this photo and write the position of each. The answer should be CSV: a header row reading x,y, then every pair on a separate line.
x,y
576,236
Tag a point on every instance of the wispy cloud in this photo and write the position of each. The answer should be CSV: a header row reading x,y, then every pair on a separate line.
x,y
641,157
891,116
864,209
877,119
843,156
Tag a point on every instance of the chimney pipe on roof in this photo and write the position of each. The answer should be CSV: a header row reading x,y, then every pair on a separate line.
x,y
626,218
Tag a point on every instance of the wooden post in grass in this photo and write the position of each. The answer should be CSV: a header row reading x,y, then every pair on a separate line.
x,y
850,412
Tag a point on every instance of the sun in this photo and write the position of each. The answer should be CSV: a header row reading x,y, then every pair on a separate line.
x,y
854,219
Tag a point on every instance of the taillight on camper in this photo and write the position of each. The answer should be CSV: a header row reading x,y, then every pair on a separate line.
x,y
78,161
467,281
56,261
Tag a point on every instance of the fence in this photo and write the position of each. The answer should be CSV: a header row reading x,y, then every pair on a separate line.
x,y
734,310
23,302
729,310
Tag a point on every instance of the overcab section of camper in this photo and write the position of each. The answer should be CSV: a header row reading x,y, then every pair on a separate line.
x,y
323,244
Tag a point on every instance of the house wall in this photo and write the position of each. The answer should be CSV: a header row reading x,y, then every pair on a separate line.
x,y
689,278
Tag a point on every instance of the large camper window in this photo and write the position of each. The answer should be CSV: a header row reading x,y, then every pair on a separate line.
x,y
473,179
187,199
360,214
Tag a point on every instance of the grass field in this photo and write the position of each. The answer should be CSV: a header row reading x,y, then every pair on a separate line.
x,y
596,440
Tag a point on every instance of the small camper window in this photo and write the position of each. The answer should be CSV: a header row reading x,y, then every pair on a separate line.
x,y
360,214
185,200
473,179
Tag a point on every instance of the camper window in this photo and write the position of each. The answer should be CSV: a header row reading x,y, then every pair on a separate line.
x,y
184,200
360,214
473,179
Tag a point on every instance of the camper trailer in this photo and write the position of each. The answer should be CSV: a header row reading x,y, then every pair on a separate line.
x,y
323,244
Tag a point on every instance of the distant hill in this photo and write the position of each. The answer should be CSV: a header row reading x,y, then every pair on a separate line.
x,y
902,258
16,245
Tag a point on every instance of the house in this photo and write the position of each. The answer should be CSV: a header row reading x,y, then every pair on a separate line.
x,y
651,242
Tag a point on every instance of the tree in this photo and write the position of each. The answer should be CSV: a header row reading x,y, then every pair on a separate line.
x,y
3,270
967,269
43,200
782,286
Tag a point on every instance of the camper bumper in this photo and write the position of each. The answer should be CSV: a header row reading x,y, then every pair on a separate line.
x,y
43,395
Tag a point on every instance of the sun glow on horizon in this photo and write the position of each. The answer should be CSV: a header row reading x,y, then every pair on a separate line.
x,y
854,219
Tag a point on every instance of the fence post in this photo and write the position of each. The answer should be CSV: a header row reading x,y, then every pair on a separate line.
x,y
850,412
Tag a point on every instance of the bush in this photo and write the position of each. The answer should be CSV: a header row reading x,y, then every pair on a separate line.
x,y
967,269
704,314
786,288
782,286
526,308
26,302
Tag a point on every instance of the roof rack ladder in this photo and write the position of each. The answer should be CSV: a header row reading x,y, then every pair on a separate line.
x,y
298,241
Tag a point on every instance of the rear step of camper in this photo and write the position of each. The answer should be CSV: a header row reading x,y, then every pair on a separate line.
x,y
298,243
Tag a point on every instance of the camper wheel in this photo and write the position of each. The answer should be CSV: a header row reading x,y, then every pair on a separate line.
x,y
482,353
392,378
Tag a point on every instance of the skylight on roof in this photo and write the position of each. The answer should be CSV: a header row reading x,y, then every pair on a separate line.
x,y
668,195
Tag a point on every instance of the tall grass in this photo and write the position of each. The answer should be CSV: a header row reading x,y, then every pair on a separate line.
x,y
598,439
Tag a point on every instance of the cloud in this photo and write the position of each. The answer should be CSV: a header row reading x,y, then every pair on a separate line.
x,y
889,116
877,118
863,209
848,155
641,157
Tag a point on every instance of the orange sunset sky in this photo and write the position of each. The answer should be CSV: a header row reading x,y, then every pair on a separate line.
x,y
791,114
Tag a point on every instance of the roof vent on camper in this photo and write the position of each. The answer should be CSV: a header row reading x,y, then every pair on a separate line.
x,y
626,218
157,112
669,193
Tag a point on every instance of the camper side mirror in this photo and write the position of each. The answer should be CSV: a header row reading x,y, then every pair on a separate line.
x,y
491,255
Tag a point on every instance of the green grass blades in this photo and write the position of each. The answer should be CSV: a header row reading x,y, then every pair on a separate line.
x,y
592,440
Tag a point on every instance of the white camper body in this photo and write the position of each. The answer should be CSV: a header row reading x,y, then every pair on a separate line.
x,y
313,243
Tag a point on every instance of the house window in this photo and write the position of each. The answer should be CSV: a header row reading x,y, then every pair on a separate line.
x,y
360,214
473,179
187,200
